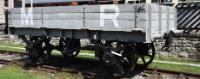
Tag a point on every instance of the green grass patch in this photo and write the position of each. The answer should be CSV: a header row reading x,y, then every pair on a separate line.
x,y
12,49
176,60
87,51
86,56
173,67
12,44
16,72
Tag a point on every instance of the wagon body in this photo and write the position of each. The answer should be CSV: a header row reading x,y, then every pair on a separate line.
x,y
132,22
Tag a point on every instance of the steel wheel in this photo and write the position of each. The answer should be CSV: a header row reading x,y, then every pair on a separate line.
x,y
124,64
37,55
146,53
129,59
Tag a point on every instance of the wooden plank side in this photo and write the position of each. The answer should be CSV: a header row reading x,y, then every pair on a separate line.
x,y
109,8
19,22
63,9
76,16
81,9
63,24
19,10
64,16
2,20
2,15
109,25
2,9
19,16
100,16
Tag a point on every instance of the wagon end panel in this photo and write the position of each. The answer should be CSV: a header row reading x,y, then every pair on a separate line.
x,y
160,20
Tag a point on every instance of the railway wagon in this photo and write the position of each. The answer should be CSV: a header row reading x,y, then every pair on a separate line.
x,y
119,34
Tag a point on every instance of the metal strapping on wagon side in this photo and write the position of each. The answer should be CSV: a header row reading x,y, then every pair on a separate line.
x,y
188,16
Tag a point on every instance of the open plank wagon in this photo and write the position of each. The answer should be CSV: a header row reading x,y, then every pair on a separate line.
x,y
119,34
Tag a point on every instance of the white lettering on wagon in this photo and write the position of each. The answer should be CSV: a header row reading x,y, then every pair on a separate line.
x,y
27,18
105,16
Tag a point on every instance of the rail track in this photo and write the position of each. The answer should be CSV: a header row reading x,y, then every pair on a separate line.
x,y
91,68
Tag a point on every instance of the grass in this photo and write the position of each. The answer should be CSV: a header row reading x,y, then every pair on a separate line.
x,y
12,44
172,67
11,49
176,60
16,72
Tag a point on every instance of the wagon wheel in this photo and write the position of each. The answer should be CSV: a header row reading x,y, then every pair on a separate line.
x,y
68,47
129,59
46,55
121,65
43,57
37,55
146,54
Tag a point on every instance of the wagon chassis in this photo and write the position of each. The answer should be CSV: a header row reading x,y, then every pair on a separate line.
x,y
121,57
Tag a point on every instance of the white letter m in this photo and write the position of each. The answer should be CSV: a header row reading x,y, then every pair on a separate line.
x,y
26,18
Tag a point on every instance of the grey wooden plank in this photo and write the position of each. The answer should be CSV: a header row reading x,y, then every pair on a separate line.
x,y
128,29
2,16
121,7
108,25
2,20
122,16
19,22
64,16
126,26
18,16
26,26
172,16
2,13
58,16
172,10
172,24
155,16
141,24
63,24
19,10
2,10
154,8
79,9
163,16
141,16
163,9
155,26
63,9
